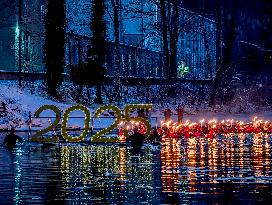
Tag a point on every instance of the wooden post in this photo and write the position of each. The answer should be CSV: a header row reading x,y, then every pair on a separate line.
x,y
92,127
167,114
29,125
180,111
141,113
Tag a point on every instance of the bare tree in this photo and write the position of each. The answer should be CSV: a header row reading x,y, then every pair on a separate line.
x,y
117,58
97,51
225,66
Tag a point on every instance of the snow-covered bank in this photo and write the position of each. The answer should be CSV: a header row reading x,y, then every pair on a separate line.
x,y
17,103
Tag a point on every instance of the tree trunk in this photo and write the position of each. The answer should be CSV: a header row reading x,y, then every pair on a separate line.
x,y
117,69
98,98
224,70
174,34
165,37
79,92
54,44
97,51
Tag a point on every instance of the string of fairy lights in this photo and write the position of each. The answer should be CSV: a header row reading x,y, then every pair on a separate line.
x,y
86,123
99,135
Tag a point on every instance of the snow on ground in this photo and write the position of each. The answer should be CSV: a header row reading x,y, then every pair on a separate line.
x,y
16,103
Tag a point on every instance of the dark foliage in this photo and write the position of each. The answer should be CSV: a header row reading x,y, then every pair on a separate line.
x,y
169,27
54,44
97,51
81,74
243,42
226,63
117,58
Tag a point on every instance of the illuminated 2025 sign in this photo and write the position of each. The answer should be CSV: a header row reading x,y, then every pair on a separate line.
x,y
98,136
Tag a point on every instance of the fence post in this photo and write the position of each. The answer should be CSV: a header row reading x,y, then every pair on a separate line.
x,y
167,114
180,111
29,125
92,127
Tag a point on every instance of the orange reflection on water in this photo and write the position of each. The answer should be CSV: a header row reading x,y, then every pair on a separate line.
x,y
122,163
191,163
257,150
171,161
213,158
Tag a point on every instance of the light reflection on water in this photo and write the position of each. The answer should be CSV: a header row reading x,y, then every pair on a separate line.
x,y
225,170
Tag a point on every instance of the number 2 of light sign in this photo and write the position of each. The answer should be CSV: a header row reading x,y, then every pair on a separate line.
x,y
98,136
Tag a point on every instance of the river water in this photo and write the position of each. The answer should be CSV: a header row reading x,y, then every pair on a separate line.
x,y
226,170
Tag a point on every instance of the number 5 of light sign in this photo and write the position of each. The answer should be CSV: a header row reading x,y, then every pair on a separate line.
x,y
98,136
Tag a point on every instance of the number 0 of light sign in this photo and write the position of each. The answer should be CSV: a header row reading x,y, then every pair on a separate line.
x,y
98,136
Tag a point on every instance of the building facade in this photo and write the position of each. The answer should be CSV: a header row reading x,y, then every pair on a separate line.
x,y
140,39
31,30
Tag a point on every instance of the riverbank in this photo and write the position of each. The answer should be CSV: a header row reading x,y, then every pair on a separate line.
x,y
17,104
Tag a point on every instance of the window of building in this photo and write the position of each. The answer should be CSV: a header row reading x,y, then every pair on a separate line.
x,y
123,63
26,7
156,12
68,50
75,54
27,46
43,13
129,63
137,65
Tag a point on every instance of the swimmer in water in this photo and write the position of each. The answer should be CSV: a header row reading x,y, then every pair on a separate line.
x,y
11,139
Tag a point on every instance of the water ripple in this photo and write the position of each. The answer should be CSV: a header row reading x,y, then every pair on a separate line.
x,y
224,170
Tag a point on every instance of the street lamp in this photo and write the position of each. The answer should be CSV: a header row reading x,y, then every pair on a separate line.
x,y
17,30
